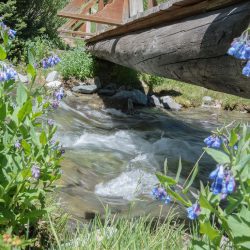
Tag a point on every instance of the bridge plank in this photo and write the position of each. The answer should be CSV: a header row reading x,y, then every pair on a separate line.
x,y
192,50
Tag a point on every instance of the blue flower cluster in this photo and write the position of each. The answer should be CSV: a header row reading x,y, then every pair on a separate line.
x,y
50,61
240,49
160,194
213,141
58,96
223,181
194,211
7,73
11,33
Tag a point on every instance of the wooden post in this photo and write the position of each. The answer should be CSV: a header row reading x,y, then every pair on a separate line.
x,y
135,6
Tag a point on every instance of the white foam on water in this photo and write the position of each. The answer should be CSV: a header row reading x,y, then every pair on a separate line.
x,y
128,185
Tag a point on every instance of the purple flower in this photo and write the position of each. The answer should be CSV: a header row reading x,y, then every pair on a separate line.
x,y
223,181
59,94
50,61
51,122
194,211
160,193
213,142
11,33
55,104
35,170
246,69
17,145
7,73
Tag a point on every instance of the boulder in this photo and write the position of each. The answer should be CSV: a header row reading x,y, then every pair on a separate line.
x,y
23,78
170,103
155,101
107,92
54,84
97,82
85,89
136,96
52,76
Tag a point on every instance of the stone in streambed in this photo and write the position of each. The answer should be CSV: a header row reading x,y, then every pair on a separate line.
x,y
136,96
169,103
85,89
52,76
54,84
155,101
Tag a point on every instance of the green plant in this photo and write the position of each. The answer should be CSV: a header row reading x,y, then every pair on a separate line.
x,y
76,63
113,232
222,208
29,160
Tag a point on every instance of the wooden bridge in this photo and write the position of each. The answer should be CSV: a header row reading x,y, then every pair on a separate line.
x,y
185,40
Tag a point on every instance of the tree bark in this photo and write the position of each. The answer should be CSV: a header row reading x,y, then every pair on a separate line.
x,y
191,50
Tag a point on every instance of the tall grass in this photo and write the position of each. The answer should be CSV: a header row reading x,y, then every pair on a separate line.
x,y
113,233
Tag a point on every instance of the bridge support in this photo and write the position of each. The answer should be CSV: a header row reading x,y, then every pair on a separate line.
x,y
192,50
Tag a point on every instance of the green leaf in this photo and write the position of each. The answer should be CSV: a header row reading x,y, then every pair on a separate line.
x,y
31,70
218,156
178,197
205,203
165,179
233,138
21,94
26,147
43,138
213,234
191,181
25,110
178,171
3,53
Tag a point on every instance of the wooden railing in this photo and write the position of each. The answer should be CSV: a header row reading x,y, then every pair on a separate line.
x,y
90,17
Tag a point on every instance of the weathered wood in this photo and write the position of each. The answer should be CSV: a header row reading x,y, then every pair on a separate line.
x,y
192,50
135,6
171,11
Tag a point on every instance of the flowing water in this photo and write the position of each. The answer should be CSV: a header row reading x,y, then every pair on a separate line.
x,y
111,157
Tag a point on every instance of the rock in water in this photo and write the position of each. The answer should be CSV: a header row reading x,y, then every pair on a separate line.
x,y
52,76
85,89
169,103
136,96
54,84
155,101
207,100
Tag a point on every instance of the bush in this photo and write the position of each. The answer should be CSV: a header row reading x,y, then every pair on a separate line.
x,y
76,63
31,19
29,159
222,208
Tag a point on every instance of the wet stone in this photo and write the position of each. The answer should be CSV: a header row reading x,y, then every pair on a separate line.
x,y
85,89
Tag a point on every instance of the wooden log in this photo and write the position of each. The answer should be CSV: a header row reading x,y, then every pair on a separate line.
x,y
191,50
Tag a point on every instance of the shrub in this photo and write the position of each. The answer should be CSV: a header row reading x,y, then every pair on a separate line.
x,y
76,63
29,159
222,208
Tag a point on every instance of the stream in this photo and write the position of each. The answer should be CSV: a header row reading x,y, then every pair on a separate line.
x,y
111,157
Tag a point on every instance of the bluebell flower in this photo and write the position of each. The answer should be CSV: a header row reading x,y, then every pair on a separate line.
x,y
213,142
7,73
246,69
35,171
11,32
59,94
160,194
194,211
17,145
50,61
55,104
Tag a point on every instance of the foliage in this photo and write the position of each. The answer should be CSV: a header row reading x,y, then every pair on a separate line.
x,y
222,208
77,63
112,232
29,160
31,19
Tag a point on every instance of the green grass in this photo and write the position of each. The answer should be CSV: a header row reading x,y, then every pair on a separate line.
x,y
112,233
191,95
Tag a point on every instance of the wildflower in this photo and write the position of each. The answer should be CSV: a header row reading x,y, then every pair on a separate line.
x,y
160,194
11,32
35,170
223,181
51,122
17,145
194,211
213,142
7,73
50,61
55,104
7,238
59,94
246,69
